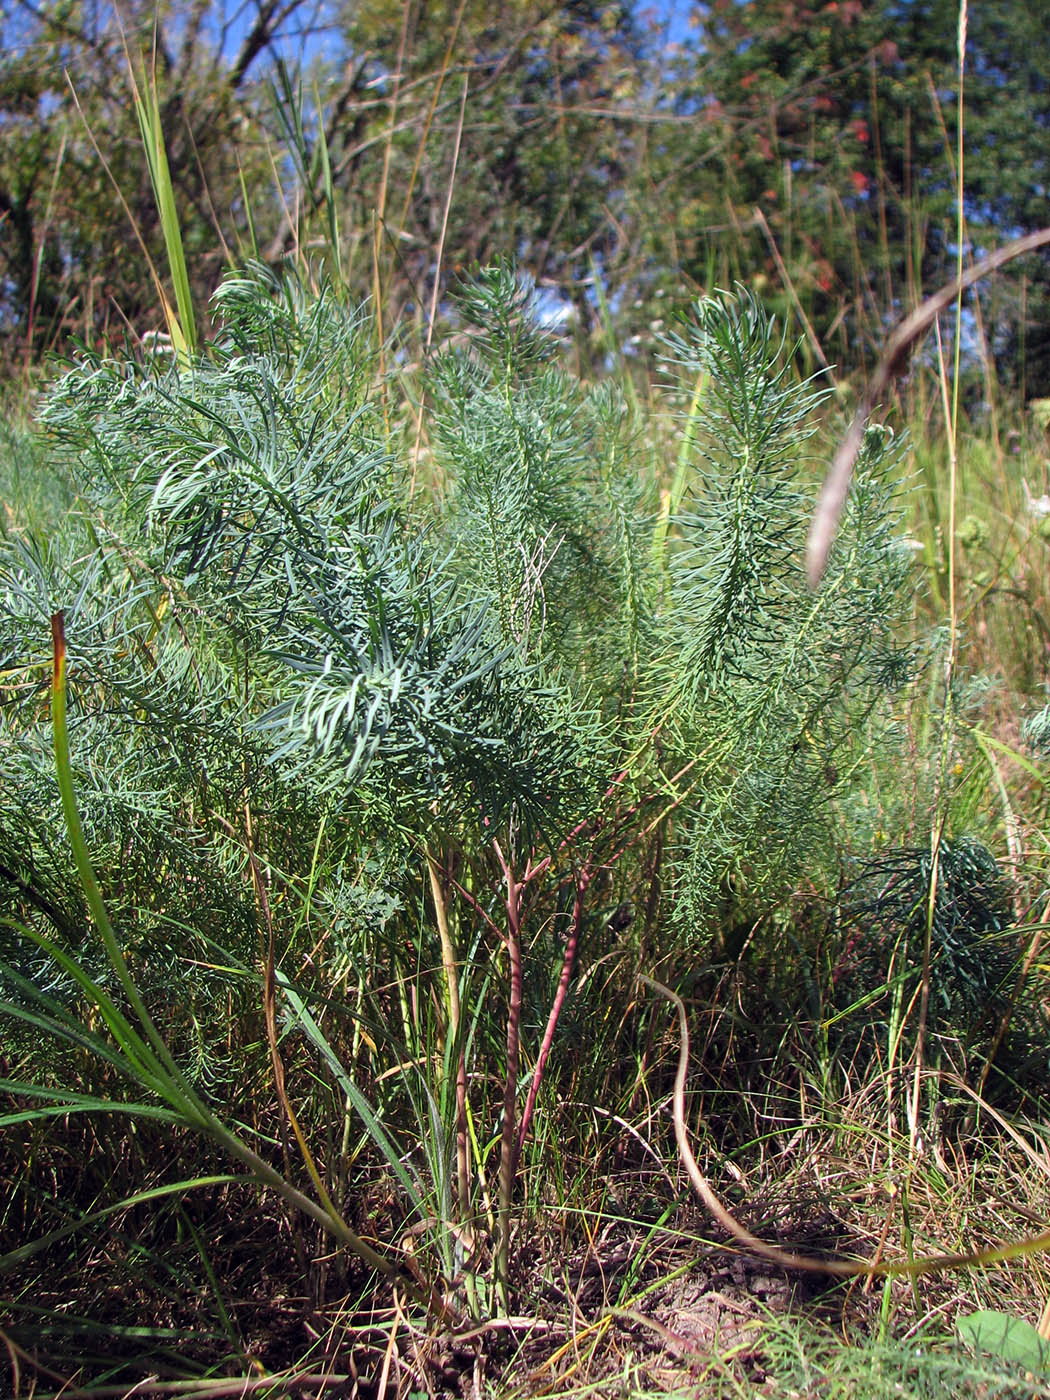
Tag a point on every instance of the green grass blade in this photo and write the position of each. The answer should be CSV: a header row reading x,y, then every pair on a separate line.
x,y
56,1029
329,189
67,1104
671,500
136,1059
179,1091
183,328
361,1105
155,1193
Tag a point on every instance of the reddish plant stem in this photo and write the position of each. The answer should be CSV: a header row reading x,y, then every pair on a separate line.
x,y
513,1137
568,962
475,904
531,871
594,824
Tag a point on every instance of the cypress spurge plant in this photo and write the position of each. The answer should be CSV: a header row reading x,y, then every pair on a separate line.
x,y
142,1056
402,753
760,685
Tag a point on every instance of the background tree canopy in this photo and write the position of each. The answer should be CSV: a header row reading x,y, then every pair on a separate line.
x,y
625,156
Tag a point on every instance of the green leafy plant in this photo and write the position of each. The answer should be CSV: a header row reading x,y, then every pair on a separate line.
x,y
404,765
1013,1339
889,901
765,680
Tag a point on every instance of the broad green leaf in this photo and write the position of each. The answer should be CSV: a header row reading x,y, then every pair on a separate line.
x,y
1012,1338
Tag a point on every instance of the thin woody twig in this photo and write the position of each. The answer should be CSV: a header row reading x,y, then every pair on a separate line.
x,y
894,359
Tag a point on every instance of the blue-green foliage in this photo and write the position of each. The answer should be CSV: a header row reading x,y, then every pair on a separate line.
x,y
262,488
546,512
886,915
766,684
260,619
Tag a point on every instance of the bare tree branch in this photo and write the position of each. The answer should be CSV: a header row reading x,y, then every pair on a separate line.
x,y
268,20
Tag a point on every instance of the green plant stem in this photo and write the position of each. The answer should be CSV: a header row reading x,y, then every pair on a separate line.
x,y
951,413
509,1142
450,964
